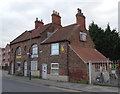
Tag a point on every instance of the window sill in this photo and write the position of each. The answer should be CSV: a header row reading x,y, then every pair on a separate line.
x,y
53,54
34,56
54,74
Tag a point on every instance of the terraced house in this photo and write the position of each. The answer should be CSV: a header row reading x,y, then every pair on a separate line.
x,y
55,52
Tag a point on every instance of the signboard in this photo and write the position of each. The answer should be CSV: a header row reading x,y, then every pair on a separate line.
x,y
18,57
62,49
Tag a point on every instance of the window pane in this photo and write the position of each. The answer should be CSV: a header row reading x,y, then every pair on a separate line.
x,y
19,51
54,71
34,49
55,49
34,65
55,65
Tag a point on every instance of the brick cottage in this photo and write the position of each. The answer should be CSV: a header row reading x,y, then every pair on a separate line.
x,y
55,52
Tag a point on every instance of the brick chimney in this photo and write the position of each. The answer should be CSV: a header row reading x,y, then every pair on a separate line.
x,y
38,23
80,19
56,18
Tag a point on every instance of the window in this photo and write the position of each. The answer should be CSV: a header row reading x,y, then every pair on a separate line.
x,y
54,68
34,65
83,36
19,51
49,34
55,49
34,51
18,66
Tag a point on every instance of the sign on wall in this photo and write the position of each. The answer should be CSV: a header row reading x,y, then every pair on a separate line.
x,y
62,49
18,57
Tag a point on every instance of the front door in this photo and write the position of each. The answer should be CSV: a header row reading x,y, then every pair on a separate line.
x,y
12,68
25,69
44,71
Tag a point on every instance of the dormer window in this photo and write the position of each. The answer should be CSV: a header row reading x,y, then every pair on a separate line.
x,y
49,34
83,36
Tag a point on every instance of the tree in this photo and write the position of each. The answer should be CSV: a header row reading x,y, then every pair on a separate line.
x,y
106,41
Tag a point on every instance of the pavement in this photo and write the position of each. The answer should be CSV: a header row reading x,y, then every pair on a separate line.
x,y
65,85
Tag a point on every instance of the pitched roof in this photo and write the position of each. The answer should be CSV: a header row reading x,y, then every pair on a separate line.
x,y
34,33
89,54
61,34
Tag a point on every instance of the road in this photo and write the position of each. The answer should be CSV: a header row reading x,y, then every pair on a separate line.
x,y
15,85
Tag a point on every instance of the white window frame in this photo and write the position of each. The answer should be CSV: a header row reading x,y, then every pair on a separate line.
x,y
81,36
57,49
19,51
34,65
52,68
34,51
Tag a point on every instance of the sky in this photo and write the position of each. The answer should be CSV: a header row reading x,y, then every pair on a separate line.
x,y
17,16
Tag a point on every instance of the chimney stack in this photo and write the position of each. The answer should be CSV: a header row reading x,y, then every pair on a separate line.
x,y
38,23
80,19
56,18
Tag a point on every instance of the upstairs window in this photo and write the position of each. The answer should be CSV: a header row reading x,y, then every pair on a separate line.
x,y
19,51
55,49
83,36
35,49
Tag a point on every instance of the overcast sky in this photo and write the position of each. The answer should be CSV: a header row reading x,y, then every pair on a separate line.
x,y
16,16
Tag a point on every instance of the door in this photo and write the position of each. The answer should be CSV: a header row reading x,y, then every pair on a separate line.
x,y
12,68
44,71
25,69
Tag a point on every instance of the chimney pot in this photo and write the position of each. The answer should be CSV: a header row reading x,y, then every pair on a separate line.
x,y
38,23
56,17
80,19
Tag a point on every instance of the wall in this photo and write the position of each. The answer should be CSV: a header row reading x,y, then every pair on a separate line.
x,y
78,70
47,58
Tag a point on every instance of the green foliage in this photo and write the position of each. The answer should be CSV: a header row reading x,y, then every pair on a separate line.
x,y
84,82
19,74
106,41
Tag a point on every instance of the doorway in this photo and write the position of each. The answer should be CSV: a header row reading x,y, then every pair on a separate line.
x,y
44,71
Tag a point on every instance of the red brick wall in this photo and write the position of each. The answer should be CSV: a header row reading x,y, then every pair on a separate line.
x,y
77,68
47,58
24,55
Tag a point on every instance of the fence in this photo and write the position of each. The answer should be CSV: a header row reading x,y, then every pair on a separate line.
x,y
105,73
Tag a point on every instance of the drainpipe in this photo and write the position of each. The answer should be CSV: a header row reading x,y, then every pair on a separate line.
x,y
90,72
